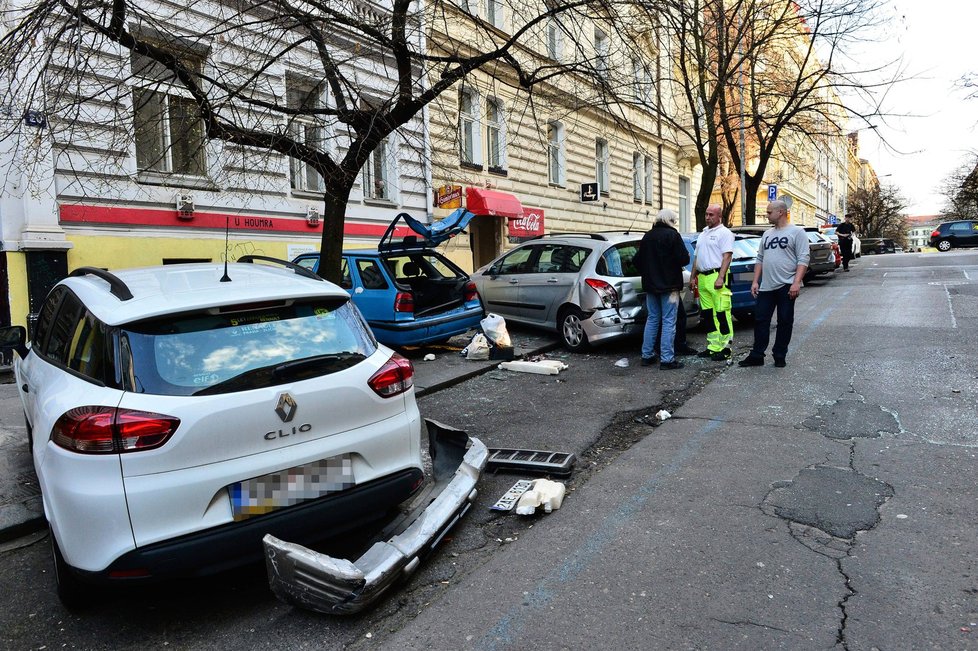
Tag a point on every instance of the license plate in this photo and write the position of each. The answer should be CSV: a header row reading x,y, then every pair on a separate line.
x,y
277,490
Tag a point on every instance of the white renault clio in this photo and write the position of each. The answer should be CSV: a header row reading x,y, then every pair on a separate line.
x,y
179,414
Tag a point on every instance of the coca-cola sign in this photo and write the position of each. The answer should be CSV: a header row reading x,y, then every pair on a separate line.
x,y
529,225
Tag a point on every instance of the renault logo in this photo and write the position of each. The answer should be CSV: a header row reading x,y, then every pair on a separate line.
x,y
286,407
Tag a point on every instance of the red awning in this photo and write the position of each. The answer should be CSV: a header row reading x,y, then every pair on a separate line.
x,y
492,202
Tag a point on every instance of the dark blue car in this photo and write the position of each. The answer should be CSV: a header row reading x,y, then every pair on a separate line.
x,y
741,273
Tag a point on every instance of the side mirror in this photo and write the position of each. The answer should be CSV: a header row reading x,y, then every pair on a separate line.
x,y
14,338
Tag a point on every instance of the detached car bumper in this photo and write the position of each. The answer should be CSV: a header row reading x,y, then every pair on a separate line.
x,y
316,581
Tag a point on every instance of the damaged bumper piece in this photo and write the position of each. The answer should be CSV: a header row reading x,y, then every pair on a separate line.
x,y
312,580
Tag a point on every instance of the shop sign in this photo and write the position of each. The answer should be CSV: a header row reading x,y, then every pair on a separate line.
x,y
448,196
529,225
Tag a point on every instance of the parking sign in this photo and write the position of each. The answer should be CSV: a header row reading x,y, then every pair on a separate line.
x,y
772,192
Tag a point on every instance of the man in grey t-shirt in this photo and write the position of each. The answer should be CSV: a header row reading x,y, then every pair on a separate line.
x,y
781,264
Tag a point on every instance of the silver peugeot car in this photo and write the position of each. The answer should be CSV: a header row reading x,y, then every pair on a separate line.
x,y
583,285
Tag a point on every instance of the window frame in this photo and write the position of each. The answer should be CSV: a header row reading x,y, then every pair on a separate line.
x,y
495,135
299,128
556,154
469,129
602,164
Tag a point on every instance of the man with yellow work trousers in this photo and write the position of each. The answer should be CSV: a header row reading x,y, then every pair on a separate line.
x,y
711,259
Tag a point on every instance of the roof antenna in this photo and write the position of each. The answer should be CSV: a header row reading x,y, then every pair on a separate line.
x,y
637,215
227,224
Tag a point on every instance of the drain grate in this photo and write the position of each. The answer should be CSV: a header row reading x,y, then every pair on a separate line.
x,y
541,461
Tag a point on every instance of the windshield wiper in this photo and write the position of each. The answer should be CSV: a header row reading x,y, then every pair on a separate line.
x,y
291,371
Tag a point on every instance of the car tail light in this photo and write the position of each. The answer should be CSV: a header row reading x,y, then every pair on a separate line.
x,y
470,292
607,293
107,430
394,378
936,233
404,302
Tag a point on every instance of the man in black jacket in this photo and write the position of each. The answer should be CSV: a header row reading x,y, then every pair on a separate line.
x,y
660,261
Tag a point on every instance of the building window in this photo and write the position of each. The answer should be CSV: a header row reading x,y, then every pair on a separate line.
x,y
649,180
601,53
643,85
494,13
468,126
495,135
304,96
684,202
169,131
601,173
555,40
637,176
555,153
377,173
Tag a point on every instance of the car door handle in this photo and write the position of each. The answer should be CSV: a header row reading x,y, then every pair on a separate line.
x,y
513,281
552,281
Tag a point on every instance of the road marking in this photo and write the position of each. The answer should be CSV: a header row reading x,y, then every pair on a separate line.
x,y
950,306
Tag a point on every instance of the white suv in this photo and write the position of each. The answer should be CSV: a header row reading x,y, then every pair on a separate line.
x,y
178,414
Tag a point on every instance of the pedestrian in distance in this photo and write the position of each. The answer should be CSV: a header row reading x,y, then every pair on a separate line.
x,y
844,231
660,260
781,265
711,261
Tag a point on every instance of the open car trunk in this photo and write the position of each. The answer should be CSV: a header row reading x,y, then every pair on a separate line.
x,y
435,282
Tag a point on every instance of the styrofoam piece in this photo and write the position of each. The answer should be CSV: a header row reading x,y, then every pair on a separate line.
x,y
543,367
545,493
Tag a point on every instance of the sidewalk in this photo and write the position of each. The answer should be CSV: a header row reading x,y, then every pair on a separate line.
x,y
21,511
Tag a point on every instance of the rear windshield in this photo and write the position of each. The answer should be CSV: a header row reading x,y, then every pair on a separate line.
x,y
227,349
619,261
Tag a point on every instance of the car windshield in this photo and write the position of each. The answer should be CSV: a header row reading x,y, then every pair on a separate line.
x,y
244,347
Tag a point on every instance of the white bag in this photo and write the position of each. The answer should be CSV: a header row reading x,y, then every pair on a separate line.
x,y
495,328
478,348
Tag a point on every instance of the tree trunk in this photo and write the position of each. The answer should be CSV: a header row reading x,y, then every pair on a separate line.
x,y
707,178
335,201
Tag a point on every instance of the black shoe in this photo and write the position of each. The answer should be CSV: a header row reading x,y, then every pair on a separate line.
x,y
721,355
779,362
670,366
649,361
751,361
686,350
705,353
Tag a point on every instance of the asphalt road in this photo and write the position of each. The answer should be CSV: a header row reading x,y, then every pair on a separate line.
x,y
830,504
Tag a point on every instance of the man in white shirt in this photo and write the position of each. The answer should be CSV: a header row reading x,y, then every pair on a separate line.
x,y
711,260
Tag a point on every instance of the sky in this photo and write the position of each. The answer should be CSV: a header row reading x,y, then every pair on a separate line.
x,y
937,41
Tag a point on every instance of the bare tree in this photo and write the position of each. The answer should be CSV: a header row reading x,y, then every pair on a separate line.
x,y
94,69
878,211
960,190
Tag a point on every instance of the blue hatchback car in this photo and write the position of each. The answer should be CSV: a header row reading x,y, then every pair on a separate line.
x,y
741,273
409,296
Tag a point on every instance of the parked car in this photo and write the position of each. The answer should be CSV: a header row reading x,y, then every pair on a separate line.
x,y
856,242
178,414
410,295
955,235
583,285
822,258
878,245
741,274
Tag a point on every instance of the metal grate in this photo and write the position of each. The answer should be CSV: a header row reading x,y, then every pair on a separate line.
x,y
540,461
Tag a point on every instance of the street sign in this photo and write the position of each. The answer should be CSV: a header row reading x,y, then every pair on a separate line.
x,y
772,192
589,191
833,219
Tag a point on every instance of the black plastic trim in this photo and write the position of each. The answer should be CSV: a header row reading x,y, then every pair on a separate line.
x,y
117,287
302,271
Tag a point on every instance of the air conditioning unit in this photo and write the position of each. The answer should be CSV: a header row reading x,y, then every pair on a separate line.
x,y
185,206
312,216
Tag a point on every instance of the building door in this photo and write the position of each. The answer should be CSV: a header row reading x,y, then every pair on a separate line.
x,y
486,238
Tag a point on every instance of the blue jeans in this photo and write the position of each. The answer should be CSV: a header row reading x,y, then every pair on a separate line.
x,y
767,302
662,311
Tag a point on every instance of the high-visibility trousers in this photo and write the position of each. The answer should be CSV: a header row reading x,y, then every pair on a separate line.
x,y
715,306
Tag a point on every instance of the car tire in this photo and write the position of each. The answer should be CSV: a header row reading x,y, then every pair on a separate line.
x,y
944,246
572,333
71,591
744,316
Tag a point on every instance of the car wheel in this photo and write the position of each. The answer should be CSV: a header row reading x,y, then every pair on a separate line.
x,y
572,329
744,316
71,591
944,246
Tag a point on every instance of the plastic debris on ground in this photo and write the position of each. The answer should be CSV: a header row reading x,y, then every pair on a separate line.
x,y
542,367
662,414
429,357
478,349
622,363
545,493
494,327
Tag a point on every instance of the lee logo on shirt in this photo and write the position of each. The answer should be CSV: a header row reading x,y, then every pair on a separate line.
x,y
776,243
